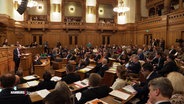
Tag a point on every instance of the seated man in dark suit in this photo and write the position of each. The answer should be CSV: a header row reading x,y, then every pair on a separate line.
x,y
160,91
37,60
134,66
46,83
95,90
8,95
158,61
103,68
142,88
70,76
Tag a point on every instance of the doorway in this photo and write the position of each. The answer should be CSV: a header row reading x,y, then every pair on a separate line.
x,y
148,39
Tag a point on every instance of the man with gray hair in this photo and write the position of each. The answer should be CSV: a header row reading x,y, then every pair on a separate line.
x,y
160,91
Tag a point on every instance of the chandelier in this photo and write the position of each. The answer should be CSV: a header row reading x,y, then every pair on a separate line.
x,y
32,3
120,8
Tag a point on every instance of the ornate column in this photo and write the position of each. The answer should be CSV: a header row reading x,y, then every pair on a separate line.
x,y
138,10
180,4
167,5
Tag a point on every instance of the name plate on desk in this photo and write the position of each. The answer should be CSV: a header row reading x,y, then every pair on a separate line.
x,y
96,101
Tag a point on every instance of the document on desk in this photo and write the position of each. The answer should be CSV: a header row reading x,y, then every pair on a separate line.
x,y
55,78
91,67
83,83
120,94
130,89
84,70
30,77
43,93
33,83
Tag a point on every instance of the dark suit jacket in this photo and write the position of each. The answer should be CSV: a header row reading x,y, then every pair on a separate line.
x,y
71,77
134,67
172,51
102,70
165,103
87,61
159,62
15,55
143,89
168,67
92,93
7,98
46,85
37,62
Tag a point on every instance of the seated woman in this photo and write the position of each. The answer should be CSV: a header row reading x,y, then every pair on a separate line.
x,y
177,81
46,83
121,80
95,90
61,95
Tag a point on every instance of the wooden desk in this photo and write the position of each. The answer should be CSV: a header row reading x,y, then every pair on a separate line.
x,y
109,77
60,72
31,77
28,84
84,71
110,99
78,86
40,69
35,97
26,63
111,61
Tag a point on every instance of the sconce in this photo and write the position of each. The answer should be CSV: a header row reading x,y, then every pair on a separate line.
x,y
100,11
71,9
56,8
90,9
16,5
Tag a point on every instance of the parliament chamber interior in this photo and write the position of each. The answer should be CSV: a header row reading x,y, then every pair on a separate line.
x,y
91,51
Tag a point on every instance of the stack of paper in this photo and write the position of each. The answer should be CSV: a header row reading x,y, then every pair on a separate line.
x,y
82,84
130,89
43,93
84,70
91,67
33,83
55,78
120,94
30,77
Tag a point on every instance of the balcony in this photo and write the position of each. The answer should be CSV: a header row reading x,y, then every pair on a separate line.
x,y
37,25
107,26
73,26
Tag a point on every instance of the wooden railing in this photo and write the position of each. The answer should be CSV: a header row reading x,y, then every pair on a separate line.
x,y
176,17
73,25
37,25
106,26
151,3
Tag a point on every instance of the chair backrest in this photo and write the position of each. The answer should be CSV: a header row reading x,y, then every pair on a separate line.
x,y
15,99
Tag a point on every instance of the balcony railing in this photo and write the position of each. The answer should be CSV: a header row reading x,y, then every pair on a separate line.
x,y
37,25
176,17
106,26
73,25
